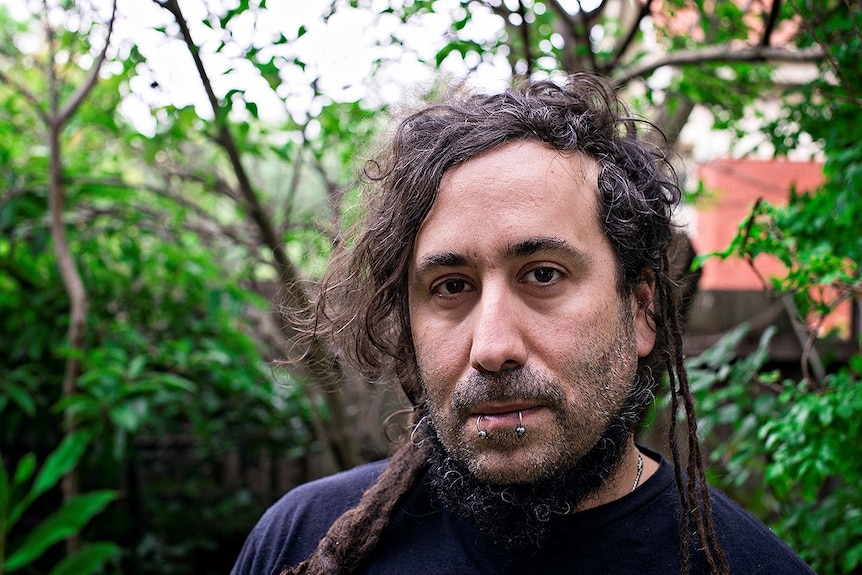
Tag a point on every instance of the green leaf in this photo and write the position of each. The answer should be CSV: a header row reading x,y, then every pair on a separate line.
x,y
175,382
60,462
66,522
25,470
87,560
125,416
136,367
20,396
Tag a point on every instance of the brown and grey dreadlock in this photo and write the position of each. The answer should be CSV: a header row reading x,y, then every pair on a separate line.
x,y
362,308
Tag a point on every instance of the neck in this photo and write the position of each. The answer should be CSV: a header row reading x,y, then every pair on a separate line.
x,y
624,479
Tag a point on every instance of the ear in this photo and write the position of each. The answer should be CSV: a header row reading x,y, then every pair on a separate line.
x,y
643,295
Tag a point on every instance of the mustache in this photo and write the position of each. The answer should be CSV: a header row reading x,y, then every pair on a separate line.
x,y
521,384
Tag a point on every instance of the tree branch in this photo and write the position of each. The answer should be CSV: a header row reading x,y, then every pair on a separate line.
x,y
823,45
28,96
771,20
721,54
630,36
71,276
321,363
525,37
204,220
586,23
569,31
564,14
85,88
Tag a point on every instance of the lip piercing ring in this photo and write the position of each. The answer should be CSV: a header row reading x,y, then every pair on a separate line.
x,y
483,434
520,429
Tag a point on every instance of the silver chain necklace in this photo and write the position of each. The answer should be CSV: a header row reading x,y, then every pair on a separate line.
x,y
640,471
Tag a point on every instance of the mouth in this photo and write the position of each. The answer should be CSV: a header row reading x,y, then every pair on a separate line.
x,y
494,416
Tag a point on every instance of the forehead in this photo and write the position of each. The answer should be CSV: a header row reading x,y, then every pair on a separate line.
x,y
514,192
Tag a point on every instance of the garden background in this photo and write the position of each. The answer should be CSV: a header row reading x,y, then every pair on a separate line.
x,y
175,173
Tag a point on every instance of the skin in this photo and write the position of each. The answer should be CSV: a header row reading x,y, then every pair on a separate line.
x,y
514,308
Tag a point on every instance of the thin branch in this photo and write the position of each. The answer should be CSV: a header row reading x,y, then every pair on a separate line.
x,y
293,187
27,95
823,45
630,37
228,144
322,364
241,236
569,31
206,228
525,37
210,181
564,14
722,54
84,89
853,19
771,21
809,352
500,9
585,22
52,71
69,272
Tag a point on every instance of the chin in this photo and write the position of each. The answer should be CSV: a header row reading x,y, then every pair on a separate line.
x,y
520,466
510,474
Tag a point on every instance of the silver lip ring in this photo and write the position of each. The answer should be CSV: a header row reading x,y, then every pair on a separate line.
x,y
520,429
483,434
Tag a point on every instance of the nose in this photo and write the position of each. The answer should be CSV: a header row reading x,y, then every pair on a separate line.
x,y
498,334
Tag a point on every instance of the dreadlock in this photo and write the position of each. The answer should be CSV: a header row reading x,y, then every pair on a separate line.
x,y
353,536
694,491
362,308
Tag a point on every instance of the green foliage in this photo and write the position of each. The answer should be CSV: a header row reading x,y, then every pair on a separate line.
x,y
175,379
789,454
17,494
735,400
816,236
816,470
806,441
170,354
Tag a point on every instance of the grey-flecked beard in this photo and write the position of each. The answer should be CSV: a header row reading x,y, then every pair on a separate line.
x,y
523,516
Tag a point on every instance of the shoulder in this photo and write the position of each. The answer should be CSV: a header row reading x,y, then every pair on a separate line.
x,y
750,545
654,513
290,530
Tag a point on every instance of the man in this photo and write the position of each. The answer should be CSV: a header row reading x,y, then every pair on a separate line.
x,y
512,275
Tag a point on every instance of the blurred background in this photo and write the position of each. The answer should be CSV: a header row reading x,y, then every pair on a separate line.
x,y
174,174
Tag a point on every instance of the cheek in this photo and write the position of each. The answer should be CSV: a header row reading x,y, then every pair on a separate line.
x,y
441,347
438,369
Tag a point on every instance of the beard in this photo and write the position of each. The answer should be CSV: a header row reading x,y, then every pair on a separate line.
x,y
522,516
520,490
596,385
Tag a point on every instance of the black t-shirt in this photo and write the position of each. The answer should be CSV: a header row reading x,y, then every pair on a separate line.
x,y
635,535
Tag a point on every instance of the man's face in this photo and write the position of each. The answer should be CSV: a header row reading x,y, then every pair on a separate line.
x,y
516,316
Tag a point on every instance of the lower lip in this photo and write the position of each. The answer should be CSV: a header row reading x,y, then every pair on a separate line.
x,y
511,419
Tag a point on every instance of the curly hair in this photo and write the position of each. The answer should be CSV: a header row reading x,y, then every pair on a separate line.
x,y
362,304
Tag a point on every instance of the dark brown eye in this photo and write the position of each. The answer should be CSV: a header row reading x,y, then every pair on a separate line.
x,y
545,275
450,287
453,286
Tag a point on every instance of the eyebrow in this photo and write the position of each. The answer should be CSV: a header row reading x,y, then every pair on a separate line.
x,y
520,249
530,246
441,260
